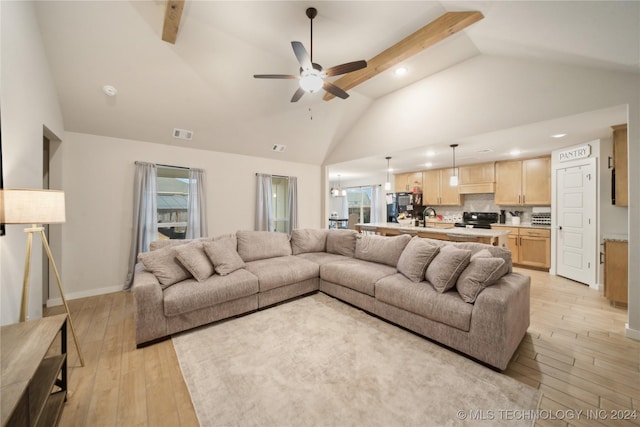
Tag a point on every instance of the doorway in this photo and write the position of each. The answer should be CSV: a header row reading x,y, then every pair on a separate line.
x,y
46,183
576,225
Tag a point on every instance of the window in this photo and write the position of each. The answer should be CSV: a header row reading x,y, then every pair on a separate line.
x,y
359,202
280,187
173,200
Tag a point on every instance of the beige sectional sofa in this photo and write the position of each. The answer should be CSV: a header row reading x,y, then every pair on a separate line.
x,y
462,295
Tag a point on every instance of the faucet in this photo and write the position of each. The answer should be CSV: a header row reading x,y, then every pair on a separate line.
x,y
424,215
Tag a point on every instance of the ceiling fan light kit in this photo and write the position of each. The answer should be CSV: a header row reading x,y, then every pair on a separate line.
x,y
312,77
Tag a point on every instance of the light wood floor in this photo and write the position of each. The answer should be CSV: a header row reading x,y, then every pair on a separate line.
x,y
575,352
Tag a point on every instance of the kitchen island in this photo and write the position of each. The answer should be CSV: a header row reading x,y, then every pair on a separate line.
x,y
452,233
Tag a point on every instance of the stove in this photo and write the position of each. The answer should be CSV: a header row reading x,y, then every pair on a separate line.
x,y
478,219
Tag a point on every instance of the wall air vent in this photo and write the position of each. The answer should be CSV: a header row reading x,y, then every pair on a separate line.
x,y
182,133
278,148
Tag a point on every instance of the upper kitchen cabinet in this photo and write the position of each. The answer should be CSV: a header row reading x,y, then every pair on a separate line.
x,y
410,182
523,182
479,178
620,163
436,189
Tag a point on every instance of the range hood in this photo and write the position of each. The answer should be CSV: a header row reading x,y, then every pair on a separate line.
x,y
487,187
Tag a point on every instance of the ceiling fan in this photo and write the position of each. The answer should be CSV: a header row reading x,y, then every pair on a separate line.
x,y
312,76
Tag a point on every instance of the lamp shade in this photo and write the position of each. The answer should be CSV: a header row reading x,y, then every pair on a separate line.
x,y
31,206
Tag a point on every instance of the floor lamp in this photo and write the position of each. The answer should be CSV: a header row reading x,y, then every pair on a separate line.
x,y
36,207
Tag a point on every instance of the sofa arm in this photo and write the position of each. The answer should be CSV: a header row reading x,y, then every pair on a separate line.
x,y
500,319
151,322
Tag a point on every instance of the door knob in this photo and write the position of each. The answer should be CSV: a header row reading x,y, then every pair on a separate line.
x,y
560,227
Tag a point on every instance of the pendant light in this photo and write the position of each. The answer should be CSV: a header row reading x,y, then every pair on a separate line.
x,y
453,180
387,185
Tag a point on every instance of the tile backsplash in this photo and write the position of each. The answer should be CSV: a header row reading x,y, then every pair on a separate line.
x,y
483,203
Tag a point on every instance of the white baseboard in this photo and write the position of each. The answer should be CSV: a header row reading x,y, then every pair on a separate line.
x,y
596,286
83,294
632,333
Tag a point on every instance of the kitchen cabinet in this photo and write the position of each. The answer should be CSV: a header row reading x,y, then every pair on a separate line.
x,y
436,190
523,182
620,163
410,182
616,279
530,247
480,178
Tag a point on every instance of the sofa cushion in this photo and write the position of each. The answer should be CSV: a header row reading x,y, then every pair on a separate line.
x,y
423,300
164,264
255,245
415,258
341,242
194,259
164,243
356,274
483,270
382,249
222,253
190,295
308,240
447,266
322,257
282,271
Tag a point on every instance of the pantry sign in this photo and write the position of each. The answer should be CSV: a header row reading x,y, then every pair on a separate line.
x,y
575,153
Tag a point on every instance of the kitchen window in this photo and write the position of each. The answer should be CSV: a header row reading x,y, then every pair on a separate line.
x,y
359,202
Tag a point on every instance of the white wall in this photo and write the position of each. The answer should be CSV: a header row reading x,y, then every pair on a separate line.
x,y
29,104
97,176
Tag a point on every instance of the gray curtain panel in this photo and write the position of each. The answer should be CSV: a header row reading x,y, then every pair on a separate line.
x,y
293,204
197,207
264,196
145,214
378,205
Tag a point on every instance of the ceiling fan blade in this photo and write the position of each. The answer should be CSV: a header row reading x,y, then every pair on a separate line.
x,y
275,76
345,68
297,95
334,90
302,55
439,29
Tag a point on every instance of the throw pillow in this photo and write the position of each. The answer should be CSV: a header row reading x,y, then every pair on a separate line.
x,y
447,266
194,259
381,249
223,255
415,258
308,240
164,264
482,272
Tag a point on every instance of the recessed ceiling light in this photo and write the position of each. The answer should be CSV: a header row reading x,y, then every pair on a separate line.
x,y
109,90
401,71
430,153
428,164
559,135
514,152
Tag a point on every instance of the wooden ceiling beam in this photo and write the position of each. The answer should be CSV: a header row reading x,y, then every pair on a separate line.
x,y
172,16
432,33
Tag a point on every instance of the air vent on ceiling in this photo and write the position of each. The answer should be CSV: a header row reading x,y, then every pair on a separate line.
x,y
278,148
182,133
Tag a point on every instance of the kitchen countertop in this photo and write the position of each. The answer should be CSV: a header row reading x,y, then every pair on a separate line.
x,y
615,237
522,225
412,229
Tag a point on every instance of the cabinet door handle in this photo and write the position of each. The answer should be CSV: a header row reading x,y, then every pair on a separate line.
x,y
601,257
523,198
609,164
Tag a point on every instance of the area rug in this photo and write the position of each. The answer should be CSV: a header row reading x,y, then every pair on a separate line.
x,y
316,361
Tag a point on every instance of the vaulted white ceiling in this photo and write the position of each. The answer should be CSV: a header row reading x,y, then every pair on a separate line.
x,y
205,83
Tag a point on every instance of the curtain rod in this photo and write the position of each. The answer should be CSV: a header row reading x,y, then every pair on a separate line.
x,y
277,176
172,167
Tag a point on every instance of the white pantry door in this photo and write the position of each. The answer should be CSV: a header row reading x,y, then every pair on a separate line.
x,y
576,223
